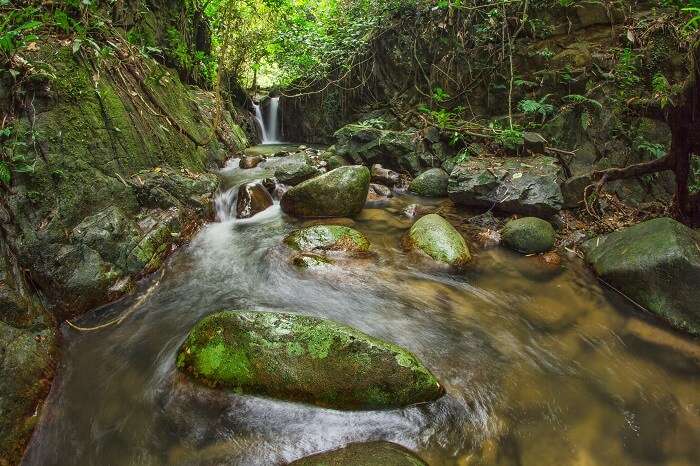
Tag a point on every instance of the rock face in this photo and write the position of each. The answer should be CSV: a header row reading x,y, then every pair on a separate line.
x,y
339,193
430,183
27,352
364,454
328,238
253,198
398,150
657,264
436,237
527,186
305,359
529,235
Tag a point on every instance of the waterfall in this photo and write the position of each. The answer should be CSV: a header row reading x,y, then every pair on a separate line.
x,y
269,128
223,204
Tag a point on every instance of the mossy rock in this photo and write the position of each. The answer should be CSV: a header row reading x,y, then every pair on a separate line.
x,y
306,359
655,263
430,183
363,454
529,235
436,237
328,238
336,161
295,171
339,193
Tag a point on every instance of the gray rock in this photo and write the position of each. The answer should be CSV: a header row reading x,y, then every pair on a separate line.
x,y
295,171
430,183
573,190
657,264
527,186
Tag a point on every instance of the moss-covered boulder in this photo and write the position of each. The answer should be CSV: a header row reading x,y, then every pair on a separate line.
x,y
430,183
529,235
252,198
339,193
657,264
328,238
306,359
363,454
436,237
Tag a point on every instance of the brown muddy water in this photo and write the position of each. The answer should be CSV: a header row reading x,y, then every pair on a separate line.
x,y
541,367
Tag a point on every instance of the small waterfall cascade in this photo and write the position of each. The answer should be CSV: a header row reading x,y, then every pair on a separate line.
x,y
269,127
223,204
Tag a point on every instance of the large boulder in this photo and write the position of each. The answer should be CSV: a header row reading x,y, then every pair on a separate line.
x,y
527,186
430,183
436,237
305,359
529,235
657,264
328,238
339,193
253,198
363,454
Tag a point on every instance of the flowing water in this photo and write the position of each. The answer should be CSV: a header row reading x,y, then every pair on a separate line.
x,y
541,366
269,127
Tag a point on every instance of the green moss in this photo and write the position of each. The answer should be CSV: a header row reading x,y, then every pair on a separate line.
x,y
529,235
436,237
328,238
302,358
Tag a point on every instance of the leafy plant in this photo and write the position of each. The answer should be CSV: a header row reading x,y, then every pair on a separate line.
x,y
510,138
662,89
586,106
440,95
537,107
656,151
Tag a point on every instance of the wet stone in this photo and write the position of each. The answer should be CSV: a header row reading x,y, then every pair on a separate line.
x,y
248,162
304,359
253,198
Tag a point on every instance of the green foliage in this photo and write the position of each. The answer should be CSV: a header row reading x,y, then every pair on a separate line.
x,y
586,106
537,107
656,151
627,69
510,138
662,89
440,95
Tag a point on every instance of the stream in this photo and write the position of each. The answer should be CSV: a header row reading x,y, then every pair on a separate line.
x,y
541,366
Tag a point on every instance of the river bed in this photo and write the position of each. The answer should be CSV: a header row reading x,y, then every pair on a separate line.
x,y
542,366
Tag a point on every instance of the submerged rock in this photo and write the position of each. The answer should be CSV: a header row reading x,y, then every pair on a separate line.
x,y
339,193
529,235
363,454
306,260
306,359
657,264
379,192
430,183
527,186
328,238
436,237
253,198
250,161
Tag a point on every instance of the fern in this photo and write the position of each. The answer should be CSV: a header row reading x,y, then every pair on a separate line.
x,y
5,174
537,107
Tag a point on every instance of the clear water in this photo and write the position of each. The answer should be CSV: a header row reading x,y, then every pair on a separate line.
x,y
541,365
